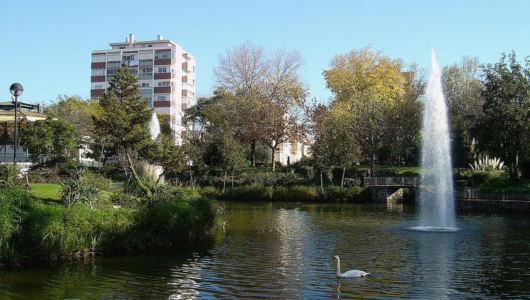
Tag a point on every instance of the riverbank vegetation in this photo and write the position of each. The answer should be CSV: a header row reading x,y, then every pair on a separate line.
x,y
44,226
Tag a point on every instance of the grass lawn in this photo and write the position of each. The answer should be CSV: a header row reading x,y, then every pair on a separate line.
x,y
45,191
50,192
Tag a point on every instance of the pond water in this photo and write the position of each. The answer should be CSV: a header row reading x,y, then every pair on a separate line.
x,y
285,251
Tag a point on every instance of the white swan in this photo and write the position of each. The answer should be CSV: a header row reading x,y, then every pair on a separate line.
x,y
350,273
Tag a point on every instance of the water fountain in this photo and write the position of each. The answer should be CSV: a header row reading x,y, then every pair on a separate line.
x,y
437,212
153,171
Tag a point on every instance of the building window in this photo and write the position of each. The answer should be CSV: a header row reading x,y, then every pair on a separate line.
x,y
161,98
145,84
98,87
98,72
112,71
164,83
98,58
128,58
163,54
162,70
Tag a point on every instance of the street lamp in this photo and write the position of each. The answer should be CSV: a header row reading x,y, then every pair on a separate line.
x,y
16,90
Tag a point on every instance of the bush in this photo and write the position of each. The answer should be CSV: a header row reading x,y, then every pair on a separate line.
x,y
296,193
249,192
9,177
268,178
479,178
169,194
351,194
209,192
14,204
389,171
75,190
306,172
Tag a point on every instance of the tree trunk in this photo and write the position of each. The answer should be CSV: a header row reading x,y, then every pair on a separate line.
x,y
343,173
253,153
191,179
273,161
232,177
136,177
224,181
321,183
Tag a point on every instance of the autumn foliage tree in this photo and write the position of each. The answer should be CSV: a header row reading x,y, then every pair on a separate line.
x,y
369,84
263,94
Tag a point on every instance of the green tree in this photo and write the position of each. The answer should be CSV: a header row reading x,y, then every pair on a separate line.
x,y
503,128
166,154
123,121
462,90
50,141
74,110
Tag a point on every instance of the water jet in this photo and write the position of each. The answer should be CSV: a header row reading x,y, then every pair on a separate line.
x,y
437,211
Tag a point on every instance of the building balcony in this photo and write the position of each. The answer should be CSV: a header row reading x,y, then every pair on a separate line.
x,y
162,103
96,93
185,67
163,75
187,86
163,90
97,79
163,62
98,65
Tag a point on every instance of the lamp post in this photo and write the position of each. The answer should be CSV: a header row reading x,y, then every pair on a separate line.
x,y
16,90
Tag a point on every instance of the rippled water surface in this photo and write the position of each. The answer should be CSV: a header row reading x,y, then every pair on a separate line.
x,y
285,251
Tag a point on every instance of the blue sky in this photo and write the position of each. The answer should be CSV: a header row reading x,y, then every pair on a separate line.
x,y
46,45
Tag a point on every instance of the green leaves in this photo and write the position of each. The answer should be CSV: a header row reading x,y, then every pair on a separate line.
x,y
49,139
503,128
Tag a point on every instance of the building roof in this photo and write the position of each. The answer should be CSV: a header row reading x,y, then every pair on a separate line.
x,y
10,105
23,115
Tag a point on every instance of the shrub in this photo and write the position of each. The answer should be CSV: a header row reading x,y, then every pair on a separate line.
x,y
167,194
479,178
75,190
123,199
296,193
208,192
351,194
389,171
249,192
9,176
14,204
306,172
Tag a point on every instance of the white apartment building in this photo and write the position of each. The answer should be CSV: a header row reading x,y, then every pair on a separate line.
x,y
166,75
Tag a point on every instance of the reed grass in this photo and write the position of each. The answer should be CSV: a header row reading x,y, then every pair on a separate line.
x,y
32,230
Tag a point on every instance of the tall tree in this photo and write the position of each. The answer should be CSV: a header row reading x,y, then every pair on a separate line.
x,y
74,110
369,83
123,121
462,90
264,94
503,128
406,118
